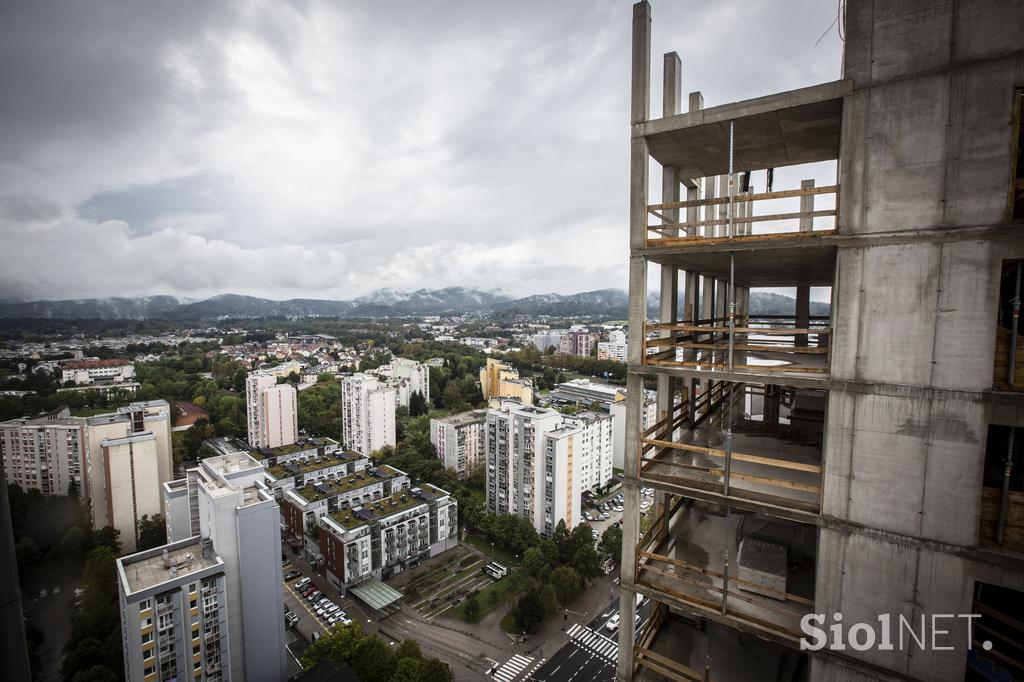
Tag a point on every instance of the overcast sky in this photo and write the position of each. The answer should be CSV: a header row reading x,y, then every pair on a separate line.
x,y
326,149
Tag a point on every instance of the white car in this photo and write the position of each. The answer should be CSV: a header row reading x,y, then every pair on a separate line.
x,y
613,623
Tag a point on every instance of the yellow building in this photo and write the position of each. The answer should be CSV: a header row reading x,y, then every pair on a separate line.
x,y
500,380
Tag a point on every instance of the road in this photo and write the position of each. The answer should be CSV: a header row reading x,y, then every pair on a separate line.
x,y
592,653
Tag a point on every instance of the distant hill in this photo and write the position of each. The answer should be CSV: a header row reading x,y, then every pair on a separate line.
x,y
609,303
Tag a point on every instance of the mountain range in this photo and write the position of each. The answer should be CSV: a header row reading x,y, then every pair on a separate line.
x,y
379,303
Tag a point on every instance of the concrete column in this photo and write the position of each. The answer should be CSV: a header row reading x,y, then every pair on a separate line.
x,y
803,291
639,159
669,292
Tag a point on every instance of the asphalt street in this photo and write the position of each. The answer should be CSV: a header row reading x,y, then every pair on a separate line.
x,y
592,652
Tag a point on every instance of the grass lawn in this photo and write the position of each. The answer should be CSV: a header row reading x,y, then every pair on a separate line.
x,y
493,596
481,543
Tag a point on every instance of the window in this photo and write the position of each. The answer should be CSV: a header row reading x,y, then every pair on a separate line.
x,y
144,605
149,670
147,637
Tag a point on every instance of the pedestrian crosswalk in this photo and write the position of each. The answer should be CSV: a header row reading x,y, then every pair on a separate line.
x,y
594,642
517,667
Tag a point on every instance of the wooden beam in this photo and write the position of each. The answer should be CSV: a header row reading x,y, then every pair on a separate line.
x,y
780,194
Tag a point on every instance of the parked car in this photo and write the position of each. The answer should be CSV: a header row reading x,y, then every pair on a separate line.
x,y
290,619
291,574
301,584
313,596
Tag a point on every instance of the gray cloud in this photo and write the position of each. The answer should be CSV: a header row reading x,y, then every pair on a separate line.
x,y
321,149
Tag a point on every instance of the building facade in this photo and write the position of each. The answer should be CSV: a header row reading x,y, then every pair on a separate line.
x,y
865,462
46,453
385,537
593,448
460,440
367,414
271,411
234,515
83,372
129,460
500,380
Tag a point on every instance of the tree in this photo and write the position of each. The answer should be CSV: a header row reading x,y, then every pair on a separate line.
x,y
562,541
73,543
28,554
586,562
340,644
152,531
567,583
472,608
374,661
452,398
97,673
611,542
529,612
534,563
417,404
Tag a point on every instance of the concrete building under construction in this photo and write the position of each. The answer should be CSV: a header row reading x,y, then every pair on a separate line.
x,y
865,462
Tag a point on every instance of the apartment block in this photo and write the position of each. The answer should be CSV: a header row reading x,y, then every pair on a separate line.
x,y
46,453
593,448
616,348
382,538
501,380
174,619
303,507
271,411
576,342
235,518
368,414
460,440
865,462
410,377
129,459
84,372
528,473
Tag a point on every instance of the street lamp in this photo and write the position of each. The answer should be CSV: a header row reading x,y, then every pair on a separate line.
x,y
492,551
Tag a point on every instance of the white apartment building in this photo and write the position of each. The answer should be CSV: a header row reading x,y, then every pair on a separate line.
x,y
594,446
649,415
380,539
547,339
46,453
83,372
615,348
517,475
587,392
271,411
460,440
129,459
174,616
233,514
368,414
417,376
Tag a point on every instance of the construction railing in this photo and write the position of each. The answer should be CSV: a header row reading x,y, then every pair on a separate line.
x,y
708,220
762,344
704,589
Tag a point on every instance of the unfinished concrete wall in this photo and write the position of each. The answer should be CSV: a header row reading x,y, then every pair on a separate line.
x,y
925,173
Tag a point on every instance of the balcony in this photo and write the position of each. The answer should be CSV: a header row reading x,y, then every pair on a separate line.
x,y
754,573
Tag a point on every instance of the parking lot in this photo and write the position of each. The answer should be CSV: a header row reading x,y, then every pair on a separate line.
x,y
615,517
307,621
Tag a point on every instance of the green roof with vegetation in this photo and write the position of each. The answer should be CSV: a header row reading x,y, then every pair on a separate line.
x,y
347,519
360,479
323,462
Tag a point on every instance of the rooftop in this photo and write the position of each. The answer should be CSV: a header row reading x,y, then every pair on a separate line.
x,y
288,469
95,364
464,418
319,491
302,445
350,519
149,569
